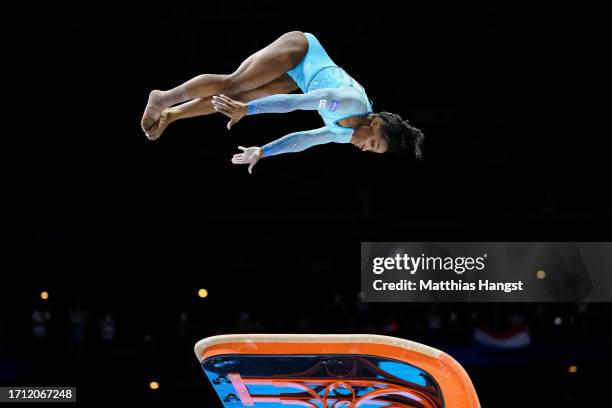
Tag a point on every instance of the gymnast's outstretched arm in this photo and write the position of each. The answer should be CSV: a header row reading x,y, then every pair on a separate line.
x,y
291,143
299,141
339,100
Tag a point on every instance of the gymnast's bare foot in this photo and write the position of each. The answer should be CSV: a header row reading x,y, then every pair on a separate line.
x,y
158,127
152,112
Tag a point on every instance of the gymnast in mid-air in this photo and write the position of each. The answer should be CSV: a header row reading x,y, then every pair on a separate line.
x,y
262,84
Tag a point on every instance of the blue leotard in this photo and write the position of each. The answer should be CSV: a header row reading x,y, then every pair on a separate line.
x,y
328,89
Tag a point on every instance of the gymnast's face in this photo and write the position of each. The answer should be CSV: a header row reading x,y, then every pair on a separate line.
x,y
370,138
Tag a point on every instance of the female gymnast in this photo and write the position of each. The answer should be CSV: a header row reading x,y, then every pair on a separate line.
x,y
262,84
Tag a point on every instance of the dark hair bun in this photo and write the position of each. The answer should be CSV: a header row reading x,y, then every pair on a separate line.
x,y
416,139
401,136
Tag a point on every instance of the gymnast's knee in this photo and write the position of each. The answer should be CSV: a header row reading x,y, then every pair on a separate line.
x,y
231,85
297,36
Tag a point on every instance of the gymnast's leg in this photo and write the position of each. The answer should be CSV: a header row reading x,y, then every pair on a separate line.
x,y
259,69
203,106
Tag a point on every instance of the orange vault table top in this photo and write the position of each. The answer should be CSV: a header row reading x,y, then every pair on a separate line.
x,y
332,371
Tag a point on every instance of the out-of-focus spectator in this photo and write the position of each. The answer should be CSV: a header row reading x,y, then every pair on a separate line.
x,y
78,318
40,323
246,324
183,325
107,328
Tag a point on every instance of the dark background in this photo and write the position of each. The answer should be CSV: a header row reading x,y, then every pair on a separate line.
x,y
120,224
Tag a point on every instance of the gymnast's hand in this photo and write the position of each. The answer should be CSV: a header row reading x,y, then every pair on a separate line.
x,y
233,109
249,155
